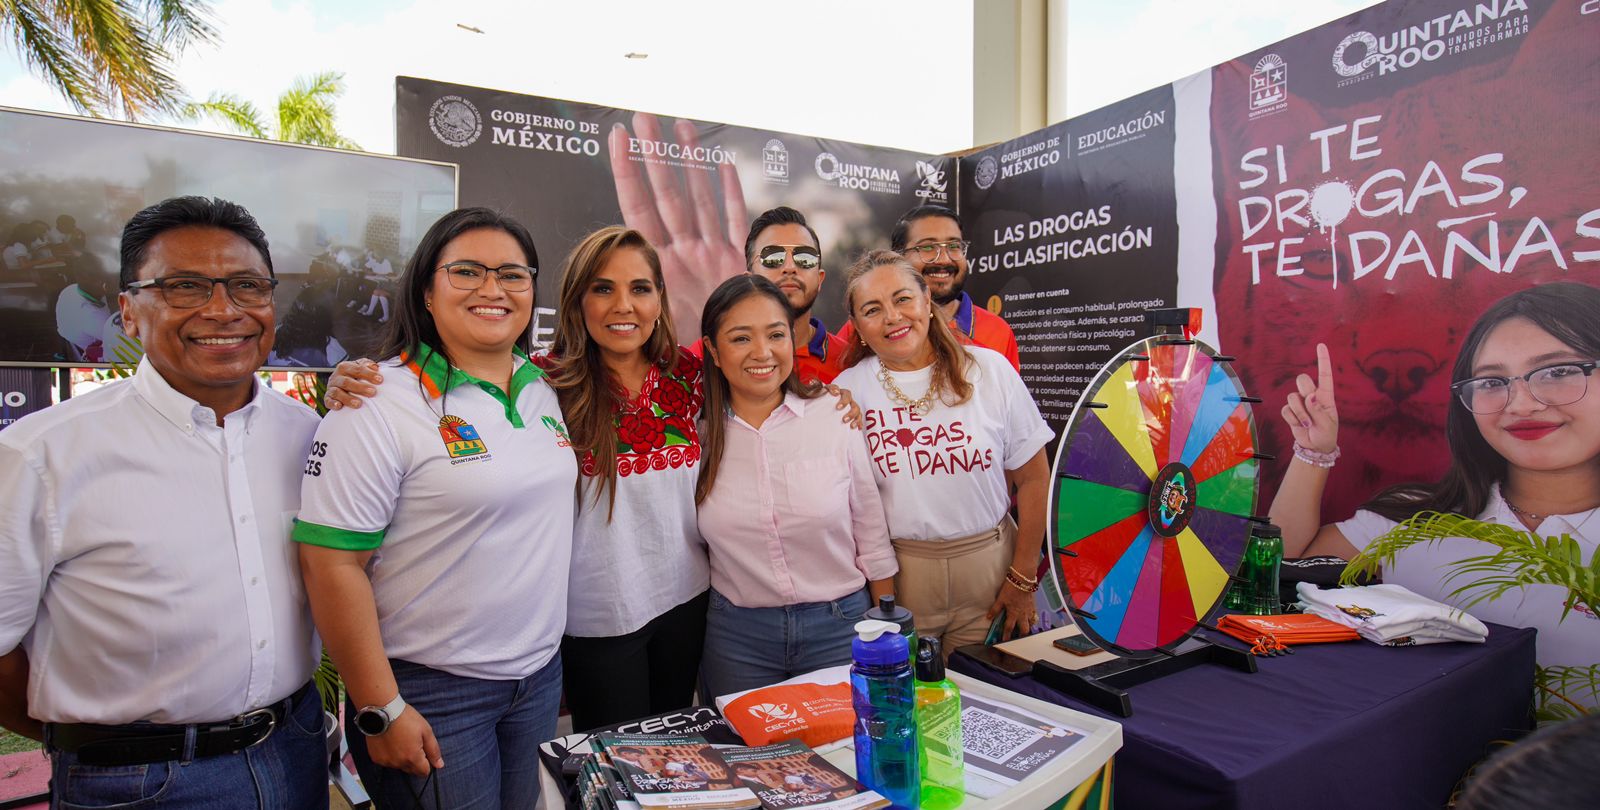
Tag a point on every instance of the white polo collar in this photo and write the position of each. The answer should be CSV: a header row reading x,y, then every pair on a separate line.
x,y
1500,512
182,411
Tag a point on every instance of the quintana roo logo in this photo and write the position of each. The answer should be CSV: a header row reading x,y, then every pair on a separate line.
x,y
828,166
461,439
1368,52
772,712
455,121
775,161
1269,82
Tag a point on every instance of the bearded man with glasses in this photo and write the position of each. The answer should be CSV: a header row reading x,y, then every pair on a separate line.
x,y
148,586
929,236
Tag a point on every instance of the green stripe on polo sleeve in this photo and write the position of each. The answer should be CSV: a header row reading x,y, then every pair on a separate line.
x,y
316,534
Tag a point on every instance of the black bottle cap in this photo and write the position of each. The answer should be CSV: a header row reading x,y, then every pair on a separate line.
x,y
1266,530
886,604
930,664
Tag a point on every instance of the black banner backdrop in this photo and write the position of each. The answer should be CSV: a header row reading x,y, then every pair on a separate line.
x,y
565,168
23,391
1074,236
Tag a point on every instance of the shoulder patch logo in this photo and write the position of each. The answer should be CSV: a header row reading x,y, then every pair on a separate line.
x,y
460,437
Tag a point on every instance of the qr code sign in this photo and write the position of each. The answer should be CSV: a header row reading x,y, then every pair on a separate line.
x,y
995,738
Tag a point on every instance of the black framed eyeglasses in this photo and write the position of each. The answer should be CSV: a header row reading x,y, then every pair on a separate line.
x,y
806,257
930,252
471,275
1558,384
189,292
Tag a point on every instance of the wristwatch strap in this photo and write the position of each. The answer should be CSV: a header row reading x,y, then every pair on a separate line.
x,y
393,708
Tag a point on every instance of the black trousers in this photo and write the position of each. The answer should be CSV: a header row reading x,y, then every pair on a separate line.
x,y
652,670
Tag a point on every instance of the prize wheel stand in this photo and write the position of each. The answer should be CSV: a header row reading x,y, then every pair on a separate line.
x,y
1153,495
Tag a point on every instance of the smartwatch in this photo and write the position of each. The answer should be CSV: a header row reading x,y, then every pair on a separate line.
x,y
374,720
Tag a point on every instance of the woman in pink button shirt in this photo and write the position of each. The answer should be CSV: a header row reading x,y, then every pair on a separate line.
x,y
787,503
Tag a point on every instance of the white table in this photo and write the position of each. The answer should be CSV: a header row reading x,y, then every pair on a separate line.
x,y
1074,767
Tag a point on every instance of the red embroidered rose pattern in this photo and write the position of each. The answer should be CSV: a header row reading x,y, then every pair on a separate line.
x,y
656,431
642,431
671,397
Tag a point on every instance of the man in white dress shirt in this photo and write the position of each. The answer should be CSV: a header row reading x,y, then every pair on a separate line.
x,y
155,632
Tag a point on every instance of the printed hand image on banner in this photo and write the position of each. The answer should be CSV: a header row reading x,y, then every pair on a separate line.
x,y
1379,182
565,168
1074,236
340,226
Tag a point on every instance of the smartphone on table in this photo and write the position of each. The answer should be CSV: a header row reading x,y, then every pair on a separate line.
x,y
1077,645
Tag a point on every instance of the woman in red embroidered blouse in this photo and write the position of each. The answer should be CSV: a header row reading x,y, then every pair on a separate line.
x,y
637,603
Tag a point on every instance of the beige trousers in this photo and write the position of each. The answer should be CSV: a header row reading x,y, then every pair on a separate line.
x,y
949,585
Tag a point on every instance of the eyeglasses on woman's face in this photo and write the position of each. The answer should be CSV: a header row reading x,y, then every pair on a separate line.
x,y
1558,384
472,275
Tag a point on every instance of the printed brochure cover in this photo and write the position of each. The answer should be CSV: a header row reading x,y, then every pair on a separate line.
x,y
790,774
681,772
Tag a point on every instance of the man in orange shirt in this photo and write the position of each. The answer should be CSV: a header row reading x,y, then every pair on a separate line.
x,y
929,236
784,249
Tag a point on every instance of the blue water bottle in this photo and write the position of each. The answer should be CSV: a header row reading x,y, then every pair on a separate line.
x,y
884,693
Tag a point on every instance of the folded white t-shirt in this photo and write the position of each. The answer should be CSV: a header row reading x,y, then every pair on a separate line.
x,y
1392,615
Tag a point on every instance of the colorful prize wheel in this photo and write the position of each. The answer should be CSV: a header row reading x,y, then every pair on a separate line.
x,y
1155,481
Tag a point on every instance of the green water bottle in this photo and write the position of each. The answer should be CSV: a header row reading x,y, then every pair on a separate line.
x,y
1263,556
939,747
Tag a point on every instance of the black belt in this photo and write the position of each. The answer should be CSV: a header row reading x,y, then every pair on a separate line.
x,y
147,743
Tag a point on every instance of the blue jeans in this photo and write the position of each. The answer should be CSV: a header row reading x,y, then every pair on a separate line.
x,y
751,647
488,731
287,770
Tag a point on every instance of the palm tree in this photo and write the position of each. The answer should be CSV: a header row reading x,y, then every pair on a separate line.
x,y
305,112
108,58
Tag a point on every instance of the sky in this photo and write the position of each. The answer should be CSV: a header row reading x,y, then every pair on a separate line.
x,y
883,72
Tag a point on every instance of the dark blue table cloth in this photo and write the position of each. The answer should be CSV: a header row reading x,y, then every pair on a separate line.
x,y
1350,725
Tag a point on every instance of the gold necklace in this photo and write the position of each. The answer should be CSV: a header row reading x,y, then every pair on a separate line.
x,y
1524,513
919,407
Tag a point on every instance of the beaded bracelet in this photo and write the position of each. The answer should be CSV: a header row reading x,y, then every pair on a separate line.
x,y
1316,458
1016,582
1022,576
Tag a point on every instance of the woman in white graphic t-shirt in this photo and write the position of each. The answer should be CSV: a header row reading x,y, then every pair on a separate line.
x,y
951,434
1524,434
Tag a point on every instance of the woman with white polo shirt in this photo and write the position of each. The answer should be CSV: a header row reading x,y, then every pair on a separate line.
x,y
436,532
1523,427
